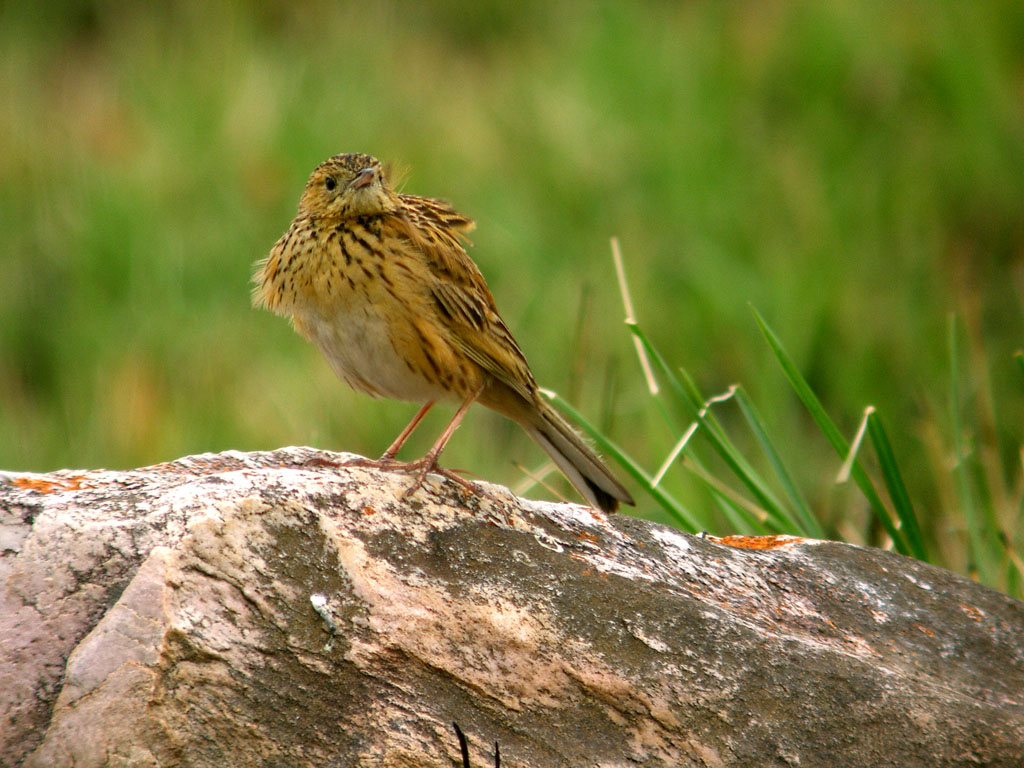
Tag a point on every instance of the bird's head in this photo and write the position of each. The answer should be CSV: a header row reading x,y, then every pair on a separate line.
x,y
347,186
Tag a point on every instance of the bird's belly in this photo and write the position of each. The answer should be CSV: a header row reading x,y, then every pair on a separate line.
x,y
359,344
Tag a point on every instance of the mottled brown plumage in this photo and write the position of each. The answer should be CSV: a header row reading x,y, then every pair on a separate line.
x,y
382,284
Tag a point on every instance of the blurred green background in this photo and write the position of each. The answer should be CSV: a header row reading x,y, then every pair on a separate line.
x,y
854,170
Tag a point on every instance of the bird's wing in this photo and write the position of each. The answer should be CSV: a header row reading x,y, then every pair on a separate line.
x,y
439,231
463,299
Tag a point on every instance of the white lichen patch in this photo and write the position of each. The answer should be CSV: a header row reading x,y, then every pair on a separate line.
x,y
917,582
674,542
652,642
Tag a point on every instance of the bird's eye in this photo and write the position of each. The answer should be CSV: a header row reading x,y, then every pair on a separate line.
x,y
330,183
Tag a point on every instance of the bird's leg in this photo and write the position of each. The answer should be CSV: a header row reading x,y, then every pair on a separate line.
x,y
428,463
392,451
387,460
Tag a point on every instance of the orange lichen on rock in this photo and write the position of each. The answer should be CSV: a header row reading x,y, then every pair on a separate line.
x,y
42,485
755,542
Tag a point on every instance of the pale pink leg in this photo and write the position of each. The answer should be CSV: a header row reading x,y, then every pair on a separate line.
x,y
392,451
430,460
428,463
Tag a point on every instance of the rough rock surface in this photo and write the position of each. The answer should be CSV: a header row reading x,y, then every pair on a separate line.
x,y
255,610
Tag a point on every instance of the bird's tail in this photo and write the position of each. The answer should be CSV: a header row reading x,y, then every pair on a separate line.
x,y
575,458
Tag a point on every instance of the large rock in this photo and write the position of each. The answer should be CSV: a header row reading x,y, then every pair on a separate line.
x,y
257,610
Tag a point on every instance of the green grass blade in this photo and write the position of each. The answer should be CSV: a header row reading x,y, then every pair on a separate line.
x,y
803,521
832,434
689,396
894,483
649,375
986,540
961,470
743,515
693,403
1012,543
783,519
989,535
671,505
695,406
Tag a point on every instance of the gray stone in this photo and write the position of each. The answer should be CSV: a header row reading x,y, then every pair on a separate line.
x,y
255,610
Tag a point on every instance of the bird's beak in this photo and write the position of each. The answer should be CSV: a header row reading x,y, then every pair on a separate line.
x,y
364,178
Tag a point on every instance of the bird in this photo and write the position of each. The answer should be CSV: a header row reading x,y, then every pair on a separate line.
x,y
381,282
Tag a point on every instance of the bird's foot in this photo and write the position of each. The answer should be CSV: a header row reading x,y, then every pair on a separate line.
x,y
422,467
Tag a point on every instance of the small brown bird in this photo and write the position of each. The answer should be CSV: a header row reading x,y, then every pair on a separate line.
x,y
382,284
